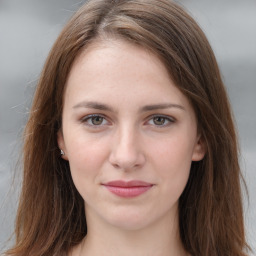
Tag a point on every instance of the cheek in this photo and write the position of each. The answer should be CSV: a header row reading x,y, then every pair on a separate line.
x,y
85,162
174,151
172,159
86,158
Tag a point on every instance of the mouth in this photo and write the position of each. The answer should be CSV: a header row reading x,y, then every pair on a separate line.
x,y
128,189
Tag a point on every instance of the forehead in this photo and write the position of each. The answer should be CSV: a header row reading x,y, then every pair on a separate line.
x,y
110,54
118,69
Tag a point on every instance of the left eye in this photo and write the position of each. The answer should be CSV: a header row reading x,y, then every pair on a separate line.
x,y
94,120
160,120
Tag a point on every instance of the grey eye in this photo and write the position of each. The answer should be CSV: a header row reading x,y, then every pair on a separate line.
x,y
97,120
159,120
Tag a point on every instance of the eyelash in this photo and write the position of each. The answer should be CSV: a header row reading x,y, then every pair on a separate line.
x,y
169,119
88,118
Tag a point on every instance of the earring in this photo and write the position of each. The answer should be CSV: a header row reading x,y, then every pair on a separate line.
x,y
62,152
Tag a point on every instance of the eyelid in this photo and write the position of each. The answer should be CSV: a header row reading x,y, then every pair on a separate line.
x,y
167,117
84,120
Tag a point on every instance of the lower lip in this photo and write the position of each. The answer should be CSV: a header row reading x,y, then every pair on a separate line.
x,y
128,191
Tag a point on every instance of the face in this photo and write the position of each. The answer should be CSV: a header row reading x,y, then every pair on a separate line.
x,y
129,135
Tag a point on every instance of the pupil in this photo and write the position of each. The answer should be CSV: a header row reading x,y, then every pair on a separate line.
x,y
97,120
159,120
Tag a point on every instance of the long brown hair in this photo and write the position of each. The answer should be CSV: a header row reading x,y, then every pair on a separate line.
x,y
50,217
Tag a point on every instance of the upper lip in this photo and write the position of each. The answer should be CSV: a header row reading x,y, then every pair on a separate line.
x,y
127,184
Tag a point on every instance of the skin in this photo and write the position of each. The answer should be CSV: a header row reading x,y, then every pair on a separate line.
x,y
144,129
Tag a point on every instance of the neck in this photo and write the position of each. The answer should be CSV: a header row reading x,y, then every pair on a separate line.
x,y
160,238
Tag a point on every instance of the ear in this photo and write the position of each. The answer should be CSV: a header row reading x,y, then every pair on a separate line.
x,y
61,144
199,149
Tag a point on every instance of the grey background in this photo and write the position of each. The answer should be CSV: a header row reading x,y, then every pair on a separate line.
x,y
28,29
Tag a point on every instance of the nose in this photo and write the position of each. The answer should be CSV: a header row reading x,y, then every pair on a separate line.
x,y
127,153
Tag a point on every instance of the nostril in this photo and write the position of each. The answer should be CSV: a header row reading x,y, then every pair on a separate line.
x,y
116,166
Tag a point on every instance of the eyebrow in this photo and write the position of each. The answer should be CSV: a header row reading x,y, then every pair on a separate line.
x,y
94,105
161,106
101,106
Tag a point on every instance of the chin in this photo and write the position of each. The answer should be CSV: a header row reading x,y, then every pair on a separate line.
x,y
129,220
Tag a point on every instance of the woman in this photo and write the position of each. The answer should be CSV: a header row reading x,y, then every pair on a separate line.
x,y
130,147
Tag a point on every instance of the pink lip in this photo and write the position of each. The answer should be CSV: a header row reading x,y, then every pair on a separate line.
x,y
128,189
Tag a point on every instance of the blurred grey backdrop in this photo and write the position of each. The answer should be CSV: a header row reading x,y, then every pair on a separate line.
x,y
28,29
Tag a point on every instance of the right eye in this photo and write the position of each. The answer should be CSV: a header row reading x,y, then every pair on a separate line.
x,y
94,120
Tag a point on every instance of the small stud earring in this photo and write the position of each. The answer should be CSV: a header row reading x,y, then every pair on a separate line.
x,y
62,152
